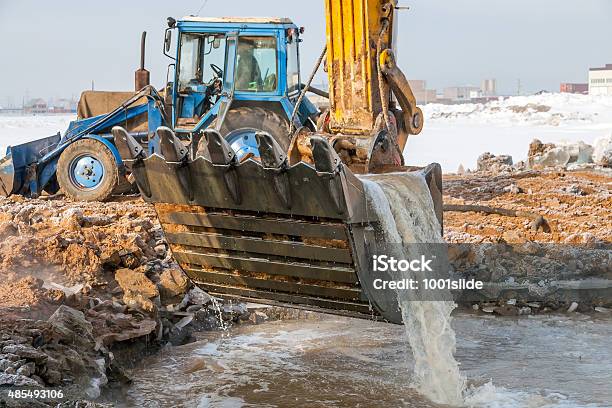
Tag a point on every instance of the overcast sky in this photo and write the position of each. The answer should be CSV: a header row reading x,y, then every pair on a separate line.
x,y
56,48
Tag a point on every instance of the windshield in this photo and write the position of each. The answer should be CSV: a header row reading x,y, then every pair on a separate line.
x,y
198,52
256,69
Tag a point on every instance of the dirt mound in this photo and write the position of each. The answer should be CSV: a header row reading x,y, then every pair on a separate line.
x,y
69,243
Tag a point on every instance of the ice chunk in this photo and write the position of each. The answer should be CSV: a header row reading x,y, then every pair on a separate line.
x,y
602,154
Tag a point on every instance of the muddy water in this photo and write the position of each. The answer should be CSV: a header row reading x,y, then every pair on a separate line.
x,y
551,361
539,362
427,324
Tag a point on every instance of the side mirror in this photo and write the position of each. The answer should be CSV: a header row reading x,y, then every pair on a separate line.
x,y
291,34
216,43
168,40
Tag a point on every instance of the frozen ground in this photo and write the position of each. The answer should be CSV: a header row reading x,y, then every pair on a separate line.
x,y
458,134
15,130
453,134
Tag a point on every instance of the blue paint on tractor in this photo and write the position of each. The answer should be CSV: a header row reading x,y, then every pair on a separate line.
x,y
31,167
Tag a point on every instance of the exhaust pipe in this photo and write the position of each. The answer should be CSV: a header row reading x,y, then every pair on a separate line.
x,y
142,76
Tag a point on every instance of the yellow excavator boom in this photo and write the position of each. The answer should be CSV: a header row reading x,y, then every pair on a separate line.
x,y
362,77
354,29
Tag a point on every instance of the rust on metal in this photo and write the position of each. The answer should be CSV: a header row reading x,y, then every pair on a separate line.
x,y
262,256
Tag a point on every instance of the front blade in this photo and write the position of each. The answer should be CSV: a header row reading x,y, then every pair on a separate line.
x,y
13,167
7,175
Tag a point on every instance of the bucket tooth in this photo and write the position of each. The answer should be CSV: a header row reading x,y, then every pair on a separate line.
x,y
384,151
171,146
275,159
133,156
272,155
325,157
174,151
220,153
129,148
329,165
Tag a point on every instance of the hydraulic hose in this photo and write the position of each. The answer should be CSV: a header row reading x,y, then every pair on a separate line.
x,y
306,88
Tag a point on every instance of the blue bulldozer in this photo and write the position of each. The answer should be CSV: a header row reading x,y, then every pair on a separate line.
x,y
236,75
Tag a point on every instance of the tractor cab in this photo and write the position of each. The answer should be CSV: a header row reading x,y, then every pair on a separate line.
x,y
228,69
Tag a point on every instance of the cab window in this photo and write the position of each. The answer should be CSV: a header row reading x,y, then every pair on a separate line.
x,y
256,69
199,55
293,66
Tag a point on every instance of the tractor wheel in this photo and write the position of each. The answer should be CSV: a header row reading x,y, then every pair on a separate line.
x,y
241,125
87,171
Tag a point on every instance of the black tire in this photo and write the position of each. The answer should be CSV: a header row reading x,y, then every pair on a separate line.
x,y
93,148
256,118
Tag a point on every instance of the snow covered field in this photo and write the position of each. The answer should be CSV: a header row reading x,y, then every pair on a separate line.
x,y
457,134
453,134
15,130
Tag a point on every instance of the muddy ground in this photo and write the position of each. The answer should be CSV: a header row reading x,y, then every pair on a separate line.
x,y
576,204
87,288
564,262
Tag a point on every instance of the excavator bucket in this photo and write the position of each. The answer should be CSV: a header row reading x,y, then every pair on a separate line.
x,y
263,231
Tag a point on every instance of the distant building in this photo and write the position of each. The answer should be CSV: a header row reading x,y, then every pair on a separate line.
x,y
461,93
575,88
421,93
600,80
63,106
36,106
488,87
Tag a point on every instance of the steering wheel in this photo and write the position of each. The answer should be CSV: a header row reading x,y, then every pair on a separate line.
x,y
218,71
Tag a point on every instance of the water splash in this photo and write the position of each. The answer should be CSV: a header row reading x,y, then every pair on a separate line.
x,y
222,325
411,220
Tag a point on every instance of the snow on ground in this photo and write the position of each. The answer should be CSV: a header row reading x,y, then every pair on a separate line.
x,y
15,130
457,134
453,134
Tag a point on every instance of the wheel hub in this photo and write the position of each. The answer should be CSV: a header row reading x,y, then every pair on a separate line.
x,y
243,142
86,172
